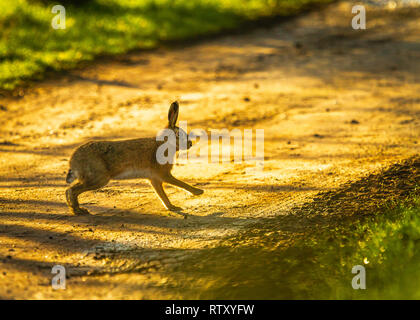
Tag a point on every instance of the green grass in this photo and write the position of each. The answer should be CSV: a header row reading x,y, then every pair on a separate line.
x,y
388,245
317,265
29,46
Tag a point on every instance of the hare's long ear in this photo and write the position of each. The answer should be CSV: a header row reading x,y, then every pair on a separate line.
x,y
173,114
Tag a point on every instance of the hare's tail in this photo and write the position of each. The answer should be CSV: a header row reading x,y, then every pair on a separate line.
x,y
70,176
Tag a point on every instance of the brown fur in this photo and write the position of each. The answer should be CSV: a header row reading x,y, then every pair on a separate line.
x,y
94,164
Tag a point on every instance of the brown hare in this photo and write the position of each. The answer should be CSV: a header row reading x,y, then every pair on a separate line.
x,y
94,164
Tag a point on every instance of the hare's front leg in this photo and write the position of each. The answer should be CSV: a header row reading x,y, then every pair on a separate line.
x,y
157,185
169,178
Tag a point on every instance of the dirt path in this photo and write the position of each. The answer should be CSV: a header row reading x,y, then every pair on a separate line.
x,y
335,104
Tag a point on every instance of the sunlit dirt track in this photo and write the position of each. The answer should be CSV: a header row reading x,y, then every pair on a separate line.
x,y
335,104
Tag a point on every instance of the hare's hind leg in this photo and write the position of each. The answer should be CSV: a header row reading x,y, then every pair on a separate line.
x,y
73,193
97,179
174,181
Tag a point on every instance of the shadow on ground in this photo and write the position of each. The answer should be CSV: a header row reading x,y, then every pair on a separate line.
x,y
269,260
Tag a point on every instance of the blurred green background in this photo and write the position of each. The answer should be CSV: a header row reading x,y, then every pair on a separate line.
x,y
29,45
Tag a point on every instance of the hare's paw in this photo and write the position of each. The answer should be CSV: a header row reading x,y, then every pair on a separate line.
x,y
174,208
81,212
197,192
